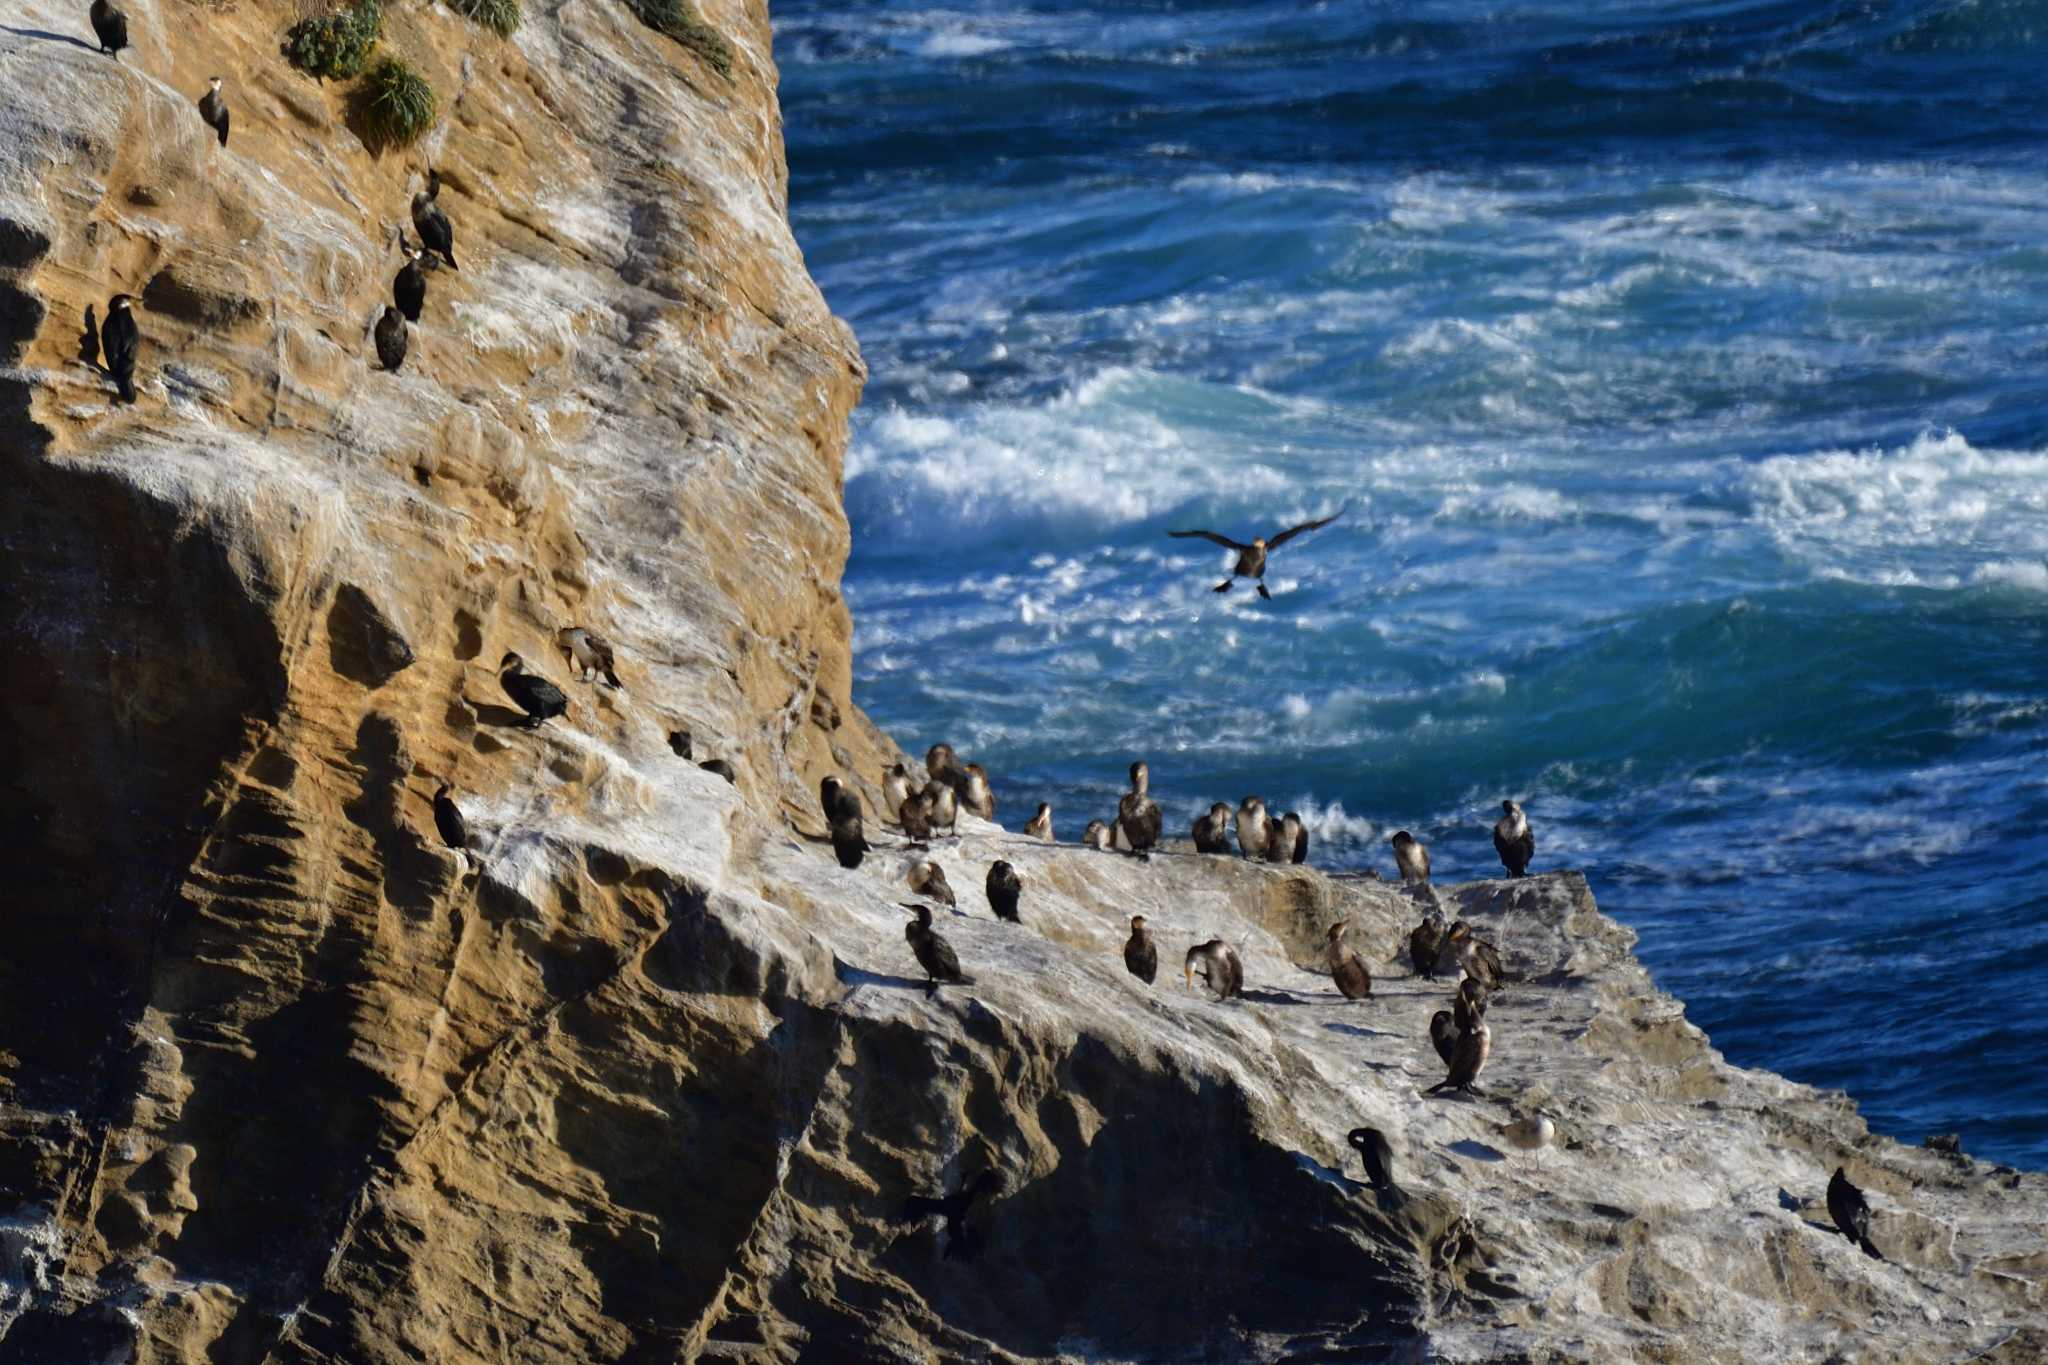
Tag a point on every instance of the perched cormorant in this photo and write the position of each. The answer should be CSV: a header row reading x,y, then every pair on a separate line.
x,y
1443,1035
927,878
121,339
1851,1212
590,652
448,819
432,224
1514,840
1220,968
961,1243
213,110
895,789
1284,835
1468,1059
1411,856
1480,959
934,954
1212,831
843,818
1004,886
1468,1004
409,285
1423,942
1300,835
1378,1155
915,815
978,796
713,765
1137,814
1141,956
540,699
1347,968
89,339
391,337
1254,828
1040,825
944,803
1097,836
1251,559
112,27
940,765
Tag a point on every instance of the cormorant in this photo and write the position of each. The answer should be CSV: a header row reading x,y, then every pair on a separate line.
x,y
934,954
843,818
1411,856
927,878
409,285
961,1243
1851,1212
448,819
391,339
1514,840
1004,886
1251,559
540,699
1378,1155
213,110
1347,968
1040,825
1137,814
1219,965
590,652
978,796
895,789
1254,827
112,27
1212,831
1141,956
432,224
121,339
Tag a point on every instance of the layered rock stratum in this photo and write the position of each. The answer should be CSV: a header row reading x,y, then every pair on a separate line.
x,y
647,1076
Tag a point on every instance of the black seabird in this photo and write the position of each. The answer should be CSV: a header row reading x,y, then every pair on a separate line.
x,y
391,339
1141,956
934,954
1468,1059
1411,856
1251,559
1219,965
121,339
1424,940
1443,1035
1212,831
540,699
1378,1155
1514,840
927,878
1004,886
915,815
1347,968
961,1243
213,110
976,794
432,224
112,27
1851,1212
1280,841
843,818
1137,814
1040,825
409,285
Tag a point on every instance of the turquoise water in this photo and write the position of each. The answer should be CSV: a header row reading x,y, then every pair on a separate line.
x,y
1682,370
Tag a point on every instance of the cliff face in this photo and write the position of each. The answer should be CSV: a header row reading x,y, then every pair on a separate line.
x,y
649,1076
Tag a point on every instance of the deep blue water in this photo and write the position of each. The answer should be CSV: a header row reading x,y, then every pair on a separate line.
x,y
1683,368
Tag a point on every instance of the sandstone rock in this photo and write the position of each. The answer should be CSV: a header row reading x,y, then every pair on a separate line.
x,y
284,1079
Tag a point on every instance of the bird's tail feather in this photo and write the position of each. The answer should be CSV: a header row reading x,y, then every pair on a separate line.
x,y
1869,1250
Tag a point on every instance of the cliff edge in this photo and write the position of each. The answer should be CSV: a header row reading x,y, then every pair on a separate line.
x,y
646,1075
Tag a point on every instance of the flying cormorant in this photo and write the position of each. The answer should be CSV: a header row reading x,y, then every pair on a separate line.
x,y
1251,559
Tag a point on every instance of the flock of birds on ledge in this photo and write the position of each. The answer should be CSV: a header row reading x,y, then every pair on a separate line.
x,y
119,339
1459,1034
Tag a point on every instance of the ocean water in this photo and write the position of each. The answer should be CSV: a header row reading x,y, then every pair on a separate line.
x,y
1680,369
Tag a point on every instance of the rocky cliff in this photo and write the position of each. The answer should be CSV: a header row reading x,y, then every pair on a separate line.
x,y
646,1075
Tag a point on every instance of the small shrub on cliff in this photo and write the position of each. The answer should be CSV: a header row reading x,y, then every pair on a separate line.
x,y
397,104
678,19
501,15
339,45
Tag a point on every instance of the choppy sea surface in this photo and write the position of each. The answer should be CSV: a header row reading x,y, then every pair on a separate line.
x,y
1681,369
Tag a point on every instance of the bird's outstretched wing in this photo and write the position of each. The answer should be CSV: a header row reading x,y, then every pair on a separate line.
x,y
1291,532
1225,541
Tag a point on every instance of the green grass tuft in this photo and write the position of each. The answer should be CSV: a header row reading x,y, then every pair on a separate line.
x,y
678,19
337,46
397,104
501,15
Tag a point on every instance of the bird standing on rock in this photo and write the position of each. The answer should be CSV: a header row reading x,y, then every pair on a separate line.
x,y
1378,1155
1851,1212
391,338
121,339
927,878
1468,1058
1280,843
111,27
540,699
934,954
409,285
1222,971
436,235
1254,827
1141,956
1424,941
1137,814
1040,825
213,110
944,804
961,1243
915,815
589,652
978,796
1411,856
1479,959
1443,1035
1514,840
1347,968
1097,836
1211,832
1251,559
1468,1004
895,789
843,819
1004,888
